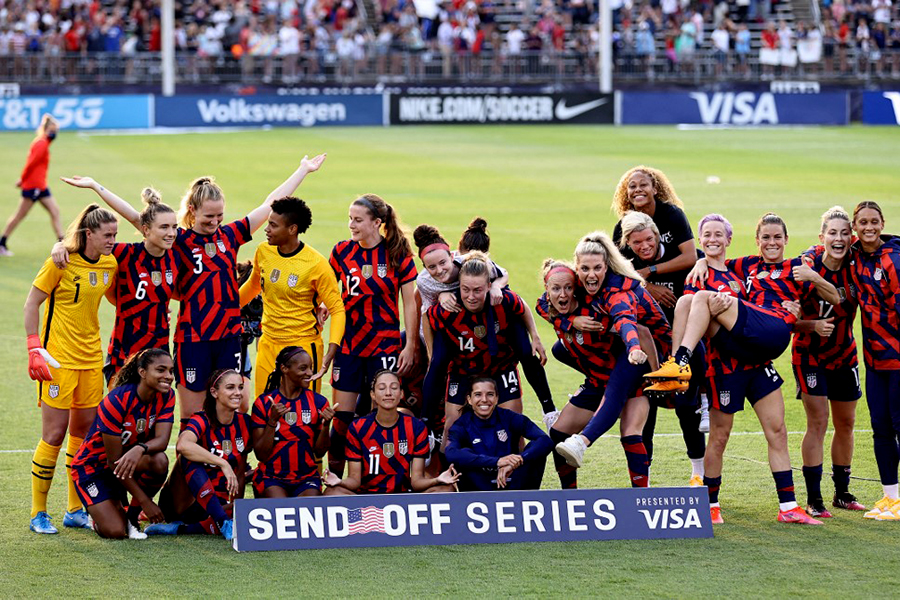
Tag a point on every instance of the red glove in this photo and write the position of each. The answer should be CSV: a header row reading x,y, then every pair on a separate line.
x,y
38,359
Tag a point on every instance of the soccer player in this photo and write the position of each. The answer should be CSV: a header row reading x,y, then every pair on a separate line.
x,y
290,429
484,444
876,274
125,449
374,266
145,281
826,368
210,474
33,183
293,279
67,358
387,449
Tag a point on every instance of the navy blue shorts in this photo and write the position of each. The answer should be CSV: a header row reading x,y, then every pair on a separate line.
x,y
97,487
355,373
35,194
196,361
291,488
840,385
588,397
728,392
756,337
508,387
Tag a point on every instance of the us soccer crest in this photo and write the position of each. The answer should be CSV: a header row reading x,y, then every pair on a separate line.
x,y
290,418
387,449
579,337
502,435
210,249
239,442
335,373
169,277
367,271
292,280
305,416
92,490
724,398
53,390
105,278
811,380
382,271
275,275
156,277
878,274
92,277
226,447
221,245
480,331
453,389
141,425
842,294
776,273
402,447
190,375
735,286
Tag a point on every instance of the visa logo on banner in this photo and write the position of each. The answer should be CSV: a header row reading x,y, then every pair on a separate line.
x,y
76,112
743,108
881,108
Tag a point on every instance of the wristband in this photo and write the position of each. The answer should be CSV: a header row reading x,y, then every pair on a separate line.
x,y
144,446
653,269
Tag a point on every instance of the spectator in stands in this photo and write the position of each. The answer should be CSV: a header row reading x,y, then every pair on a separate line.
x,y
721,43
515,39
742,49
894,44
289,50
788,55
768,52
829,43
863,44
645,47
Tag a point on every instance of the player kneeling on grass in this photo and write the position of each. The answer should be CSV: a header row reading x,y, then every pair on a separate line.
x,y
485,441
386,451
290,429
212,449
125,450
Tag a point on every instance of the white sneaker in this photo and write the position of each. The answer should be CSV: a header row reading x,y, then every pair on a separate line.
x,y
135,534
704,414
4,251
572,450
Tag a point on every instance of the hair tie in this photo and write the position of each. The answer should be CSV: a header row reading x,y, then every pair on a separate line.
x,y
558,269
433,247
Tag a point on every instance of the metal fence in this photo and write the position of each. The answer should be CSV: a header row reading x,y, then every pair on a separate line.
x,y
400,66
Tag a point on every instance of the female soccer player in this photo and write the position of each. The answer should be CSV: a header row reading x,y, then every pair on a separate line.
x,y
33,183
484,444
745,336
67,358
293,278
876,274
125,449
826,368
374,266
386,450
290,429
145,281
478,340
209,476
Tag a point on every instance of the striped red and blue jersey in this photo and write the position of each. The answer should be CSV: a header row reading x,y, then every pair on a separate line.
x,y
770,284
877,279
726,282
292,458
471,335
386,453
592,350
143,287
370,287
629,303
207,282
838,350
122,413
232,442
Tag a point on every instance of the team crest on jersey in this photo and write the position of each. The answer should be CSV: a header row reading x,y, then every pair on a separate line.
x,y
387,449
335,373
141,426
502,435
496,326
210,249
292,280
776,273
579,337
152,421
226,447
735,286
878,274
367,271
762,274
239,442
306,416
169,277
275,275
92,278
811,380
105,278
453,389
92,490
402,447
382,270
290,418
480,331
842,294
221,245
724,398
156,277
190,375
53,390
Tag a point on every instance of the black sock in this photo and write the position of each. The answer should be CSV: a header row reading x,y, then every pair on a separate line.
x,y
3,241
537,379
841,477
683,356
133,513
713,484
813,477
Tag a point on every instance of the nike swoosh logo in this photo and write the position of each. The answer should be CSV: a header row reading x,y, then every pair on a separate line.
x,y
564,113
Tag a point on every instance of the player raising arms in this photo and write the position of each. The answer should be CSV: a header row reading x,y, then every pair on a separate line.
x,y
290,429
876,274
293,279
125,449
67,358
826,367
374,266
387,449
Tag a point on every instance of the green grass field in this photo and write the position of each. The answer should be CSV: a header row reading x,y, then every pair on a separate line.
x,y
540,188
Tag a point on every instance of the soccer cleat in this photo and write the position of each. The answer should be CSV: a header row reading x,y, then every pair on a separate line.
x,y
879,506
715,512
671,370
797,515
41,524
4,251
134,533
163,528
666,387
891,513
572,449
227,529
696,481
847,501
78,519
817,509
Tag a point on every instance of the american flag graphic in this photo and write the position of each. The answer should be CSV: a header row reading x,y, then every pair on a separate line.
x,y
365,520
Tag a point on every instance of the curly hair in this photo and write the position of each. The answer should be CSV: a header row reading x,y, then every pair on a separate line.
x,y
664,190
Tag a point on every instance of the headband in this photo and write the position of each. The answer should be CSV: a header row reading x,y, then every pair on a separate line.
x,y
222,374
558,269
365,202
432,247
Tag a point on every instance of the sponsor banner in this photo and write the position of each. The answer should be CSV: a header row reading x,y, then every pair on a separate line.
x,y
470,518
277,111
881,108
439,108
734,108
76,112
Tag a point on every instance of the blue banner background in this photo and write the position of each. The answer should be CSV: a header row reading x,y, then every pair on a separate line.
x,y
878,108
76,112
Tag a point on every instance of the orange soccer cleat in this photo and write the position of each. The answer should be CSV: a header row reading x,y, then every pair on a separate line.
x,y
797,515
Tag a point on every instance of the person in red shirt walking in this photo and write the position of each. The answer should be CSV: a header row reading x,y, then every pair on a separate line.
x,y
33,183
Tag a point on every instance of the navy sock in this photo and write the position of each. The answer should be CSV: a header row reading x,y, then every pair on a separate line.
x,y
683,356
568,475
339,426
841,478
813,477
713,483
202,489
636,457
537,379
784,484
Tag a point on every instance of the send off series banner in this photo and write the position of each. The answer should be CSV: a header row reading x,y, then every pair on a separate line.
x,y
471,518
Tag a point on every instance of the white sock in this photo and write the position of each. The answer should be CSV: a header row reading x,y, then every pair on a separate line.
x,y
891,491
783,506
697,467
704,403
713,504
